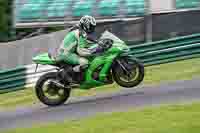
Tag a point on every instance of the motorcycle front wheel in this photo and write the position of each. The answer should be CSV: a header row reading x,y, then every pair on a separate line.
x,y
127,72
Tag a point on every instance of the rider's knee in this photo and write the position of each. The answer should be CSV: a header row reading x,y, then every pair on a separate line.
x,y
83,61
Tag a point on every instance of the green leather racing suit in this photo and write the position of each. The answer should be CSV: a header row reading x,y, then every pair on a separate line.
x,y
74,48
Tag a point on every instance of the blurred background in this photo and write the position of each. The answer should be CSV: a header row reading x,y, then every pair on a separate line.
x,y
134,21
139,20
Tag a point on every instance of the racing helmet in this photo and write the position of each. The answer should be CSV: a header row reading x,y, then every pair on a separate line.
x,y
88,23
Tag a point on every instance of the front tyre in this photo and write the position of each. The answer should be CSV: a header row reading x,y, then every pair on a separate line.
x,y
128,73
49,93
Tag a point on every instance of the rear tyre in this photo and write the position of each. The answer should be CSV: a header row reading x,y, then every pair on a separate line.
x,y
120,76
52,89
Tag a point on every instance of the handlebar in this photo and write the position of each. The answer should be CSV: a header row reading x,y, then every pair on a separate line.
x,y
101,45
92,40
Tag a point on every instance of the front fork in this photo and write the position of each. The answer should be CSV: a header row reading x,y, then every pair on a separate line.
x,y
122,66
125,69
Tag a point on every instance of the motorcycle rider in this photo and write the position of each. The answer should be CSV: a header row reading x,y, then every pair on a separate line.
x,y
73,49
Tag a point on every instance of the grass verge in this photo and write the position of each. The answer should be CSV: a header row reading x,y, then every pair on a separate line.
x,y
166,119
181,70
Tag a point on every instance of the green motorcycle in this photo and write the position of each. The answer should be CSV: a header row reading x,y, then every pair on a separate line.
x,y
111,62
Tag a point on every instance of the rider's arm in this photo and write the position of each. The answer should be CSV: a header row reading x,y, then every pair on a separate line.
x,y
83,51
81,48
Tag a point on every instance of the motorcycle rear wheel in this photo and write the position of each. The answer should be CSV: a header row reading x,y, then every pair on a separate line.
x,y
52,90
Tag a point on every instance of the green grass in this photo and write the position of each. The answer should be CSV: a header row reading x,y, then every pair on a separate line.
x,y
166,119
181,70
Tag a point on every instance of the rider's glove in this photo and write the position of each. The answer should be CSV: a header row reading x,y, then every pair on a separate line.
x,y
96,50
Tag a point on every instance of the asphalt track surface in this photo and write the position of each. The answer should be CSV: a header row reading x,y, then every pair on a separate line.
x,y
75,109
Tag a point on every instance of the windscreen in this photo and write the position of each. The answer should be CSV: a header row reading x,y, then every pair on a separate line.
x,y
109,35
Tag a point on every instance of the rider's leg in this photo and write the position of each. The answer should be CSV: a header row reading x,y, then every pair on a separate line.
x,y
73,59
68,59
82,62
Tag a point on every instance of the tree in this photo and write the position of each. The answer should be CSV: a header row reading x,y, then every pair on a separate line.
x,y
5,19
